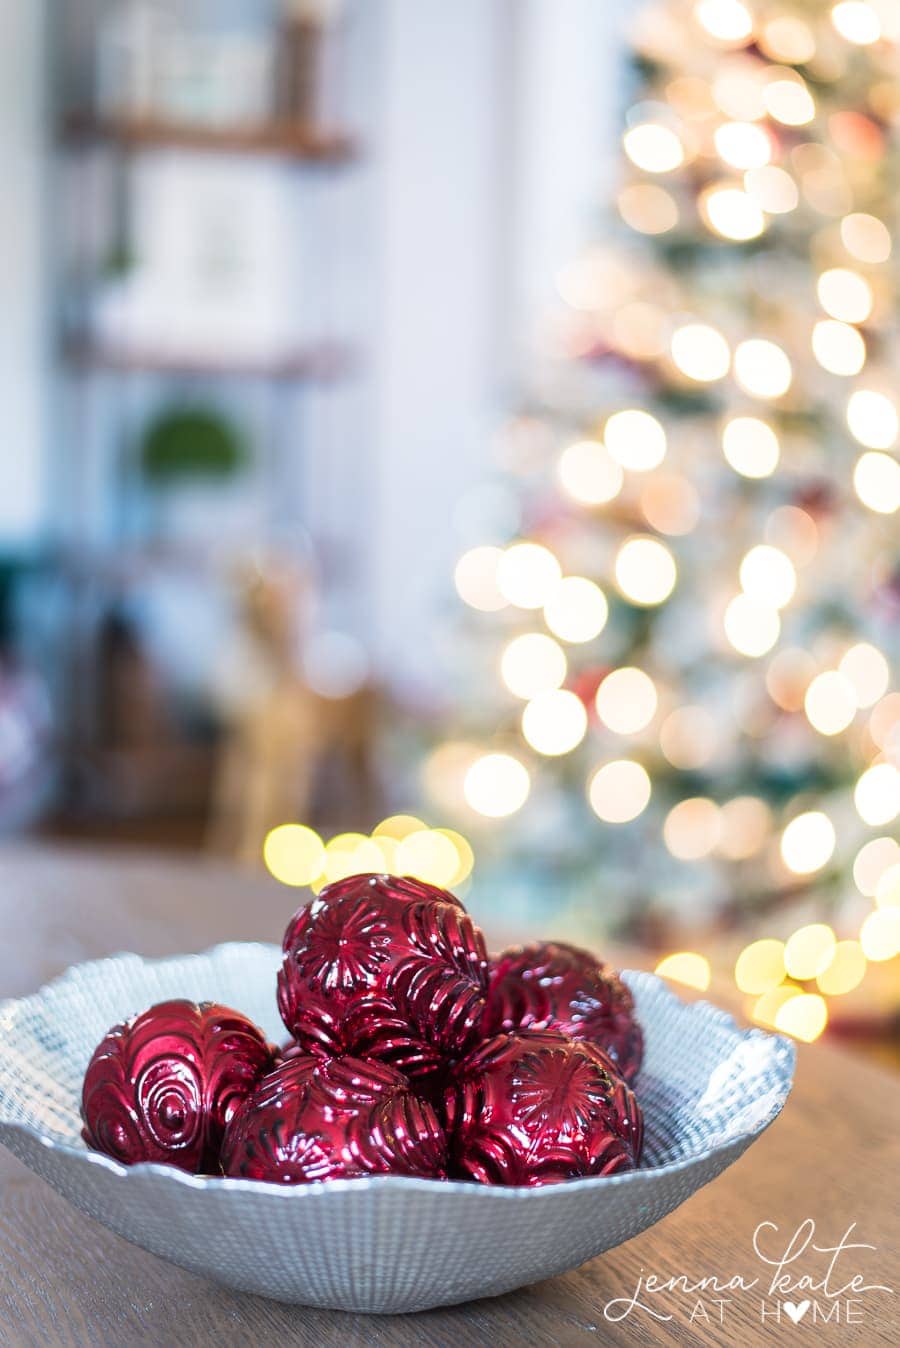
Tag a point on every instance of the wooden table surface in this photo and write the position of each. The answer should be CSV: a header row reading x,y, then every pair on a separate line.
x,y
831,1158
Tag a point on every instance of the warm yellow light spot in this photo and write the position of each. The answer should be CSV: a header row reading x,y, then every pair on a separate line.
x,y
670,504
884,722
527,575
648,208
619,791
857,22
465,857
398,826
876,481
351,854
497,785
887,891
760,966
867,671
866,237
768,576
576,610
773,188
635,439
692,828
761,368
844,294
872,418
846,970
645,571
294,854
877,794
726,20
732,213
785,38
686,967
388,849
476,579
750,446
589,474
444,773
803,1017
880,935
626,700
789,101
745,825
751,628
688,737
653,147
639,329
700,352
554,723
872,861
809,951
830,703
428,855
808,842
838,347
770,1003
737,89
743,145
532,663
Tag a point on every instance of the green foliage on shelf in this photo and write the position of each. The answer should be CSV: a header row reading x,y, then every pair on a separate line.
x,y
187,443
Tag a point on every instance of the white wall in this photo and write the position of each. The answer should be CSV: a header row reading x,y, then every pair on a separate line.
x,y
22,334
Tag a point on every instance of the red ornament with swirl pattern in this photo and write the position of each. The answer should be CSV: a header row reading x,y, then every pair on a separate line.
x,y
316,1118
556,986
537,1108
162,1086
386,968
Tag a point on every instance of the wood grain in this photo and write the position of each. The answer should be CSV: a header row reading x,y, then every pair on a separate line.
x,y
64,1280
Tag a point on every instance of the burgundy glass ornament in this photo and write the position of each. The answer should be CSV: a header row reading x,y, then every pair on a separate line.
x,y
162,1086
537,1108
384,968
556,986
317,1118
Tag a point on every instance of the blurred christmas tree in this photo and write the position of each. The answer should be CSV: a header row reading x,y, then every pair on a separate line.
x,y
677,712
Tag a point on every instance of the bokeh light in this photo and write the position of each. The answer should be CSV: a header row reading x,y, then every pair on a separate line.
x,y
728,21
428,855
845,971
527,575
692,828
671,504
808,842
476,579
830,703
576,610
762,368
648,208
635,439
887,891
350,854
879,935
788,39
294,854
838,347
746,822
789,101
867,672
809,951
686,967
803,1017
743,145
732,213
645,571
700,352
589,474
750,446
688,737
866,237
872,419
876,481
768,576
760,966
626,700
751,628
653,147
877,794
497,785
856,21
619,791
844,294
773,188
873,860
554,723
532,663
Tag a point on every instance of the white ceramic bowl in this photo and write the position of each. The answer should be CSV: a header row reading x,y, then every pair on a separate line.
x,y
386,1244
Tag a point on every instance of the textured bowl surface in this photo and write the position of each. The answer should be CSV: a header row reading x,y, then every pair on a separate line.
x,y
385,1244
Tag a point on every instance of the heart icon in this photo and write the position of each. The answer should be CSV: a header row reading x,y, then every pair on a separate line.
x,y
795,1312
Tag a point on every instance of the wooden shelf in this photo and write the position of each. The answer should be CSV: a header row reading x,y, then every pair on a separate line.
x,y
310,144
315,363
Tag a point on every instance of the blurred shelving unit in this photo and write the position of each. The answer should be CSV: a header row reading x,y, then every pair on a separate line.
x,y
200,250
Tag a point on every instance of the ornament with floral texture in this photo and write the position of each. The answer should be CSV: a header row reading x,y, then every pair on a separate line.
x,y
386,968
537,1108
557,986
162,1086
317,1118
